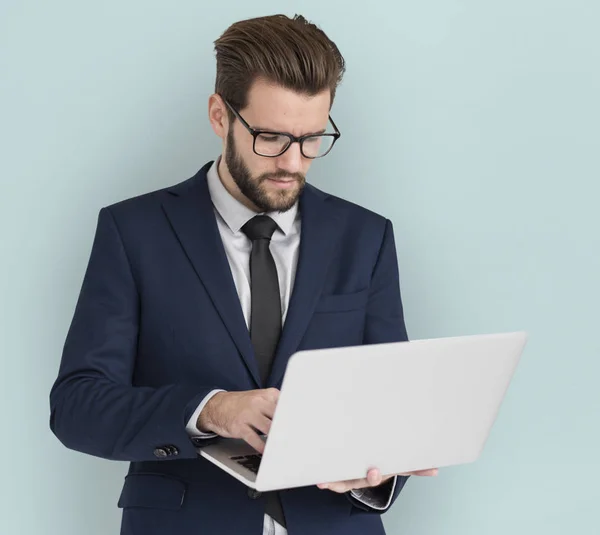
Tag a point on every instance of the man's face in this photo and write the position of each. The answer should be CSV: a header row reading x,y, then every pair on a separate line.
x,y
274,184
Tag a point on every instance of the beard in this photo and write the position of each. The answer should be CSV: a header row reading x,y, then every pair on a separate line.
x,y
254,189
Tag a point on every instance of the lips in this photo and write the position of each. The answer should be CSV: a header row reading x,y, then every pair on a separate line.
x,y
282,183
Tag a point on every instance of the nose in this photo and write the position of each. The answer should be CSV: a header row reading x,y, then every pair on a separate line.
x,y
291,160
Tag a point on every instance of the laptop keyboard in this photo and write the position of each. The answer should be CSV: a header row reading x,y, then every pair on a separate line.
x,y
251,462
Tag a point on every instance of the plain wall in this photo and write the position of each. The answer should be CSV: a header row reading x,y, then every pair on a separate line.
x,y
472,125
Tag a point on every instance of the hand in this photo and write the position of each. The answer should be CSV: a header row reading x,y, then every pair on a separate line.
x,y
373,479
240,415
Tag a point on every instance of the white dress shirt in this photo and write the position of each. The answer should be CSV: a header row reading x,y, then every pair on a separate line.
x,y
231,216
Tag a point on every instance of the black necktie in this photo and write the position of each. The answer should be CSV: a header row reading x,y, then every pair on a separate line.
x,y
265,314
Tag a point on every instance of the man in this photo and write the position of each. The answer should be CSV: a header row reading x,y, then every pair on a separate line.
x,y
196,295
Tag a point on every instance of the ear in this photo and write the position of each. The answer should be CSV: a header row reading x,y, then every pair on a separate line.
x,y
217,115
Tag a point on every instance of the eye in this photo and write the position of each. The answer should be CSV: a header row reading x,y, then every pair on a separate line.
x,y
313,140
270,138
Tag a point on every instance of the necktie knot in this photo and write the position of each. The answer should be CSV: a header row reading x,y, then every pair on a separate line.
x,y
259,227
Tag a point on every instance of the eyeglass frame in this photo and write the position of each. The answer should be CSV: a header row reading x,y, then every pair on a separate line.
x,y
293,139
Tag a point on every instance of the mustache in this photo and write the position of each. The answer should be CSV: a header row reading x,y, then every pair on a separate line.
x,y
299,177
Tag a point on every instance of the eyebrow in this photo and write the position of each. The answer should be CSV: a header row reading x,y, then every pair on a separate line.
x,y
273,131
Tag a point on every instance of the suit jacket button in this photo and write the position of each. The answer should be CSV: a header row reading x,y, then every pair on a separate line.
x,y
254,494
172,450
160,452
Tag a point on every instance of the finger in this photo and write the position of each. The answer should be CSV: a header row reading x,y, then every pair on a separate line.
x,y
374,477
269,405
253,440
338,486
426,473
344,486
268,410
272,394
261,423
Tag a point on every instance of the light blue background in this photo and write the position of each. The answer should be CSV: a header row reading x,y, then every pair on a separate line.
x,y
473,125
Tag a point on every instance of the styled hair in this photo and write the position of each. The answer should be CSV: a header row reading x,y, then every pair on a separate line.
x,y
289,52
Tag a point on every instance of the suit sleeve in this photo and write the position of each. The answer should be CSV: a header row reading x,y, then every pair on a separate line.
x,y
94,407
384,323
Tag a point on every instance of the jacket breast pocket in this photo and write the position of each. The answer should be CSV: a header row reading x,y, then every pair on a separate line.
x,y
343,302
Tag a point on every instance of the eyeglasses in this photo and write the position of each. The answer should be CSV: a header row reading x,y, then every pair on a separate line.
x,y
272,144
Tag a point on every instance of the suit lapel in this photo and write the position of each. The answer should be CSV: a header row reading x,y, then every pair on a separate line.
x,y
320,228
189,208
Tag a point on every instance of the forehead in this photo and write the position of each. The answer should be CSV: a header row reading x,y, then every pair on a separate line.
x,y
273,107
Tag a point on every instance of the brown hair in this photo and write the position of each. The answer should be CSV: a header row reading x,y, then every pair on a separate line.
x,y
292,53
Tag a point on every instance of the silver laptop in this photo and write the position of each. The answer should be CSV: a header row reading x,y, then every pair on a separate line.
x,y
399,407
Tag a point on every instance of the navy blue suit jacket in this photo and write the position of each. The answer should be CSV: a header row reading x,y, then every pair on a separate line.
x,y
158,325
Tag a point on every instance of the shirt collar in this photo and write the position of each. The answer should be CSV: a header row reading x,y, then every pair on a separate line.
x,y
234,213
